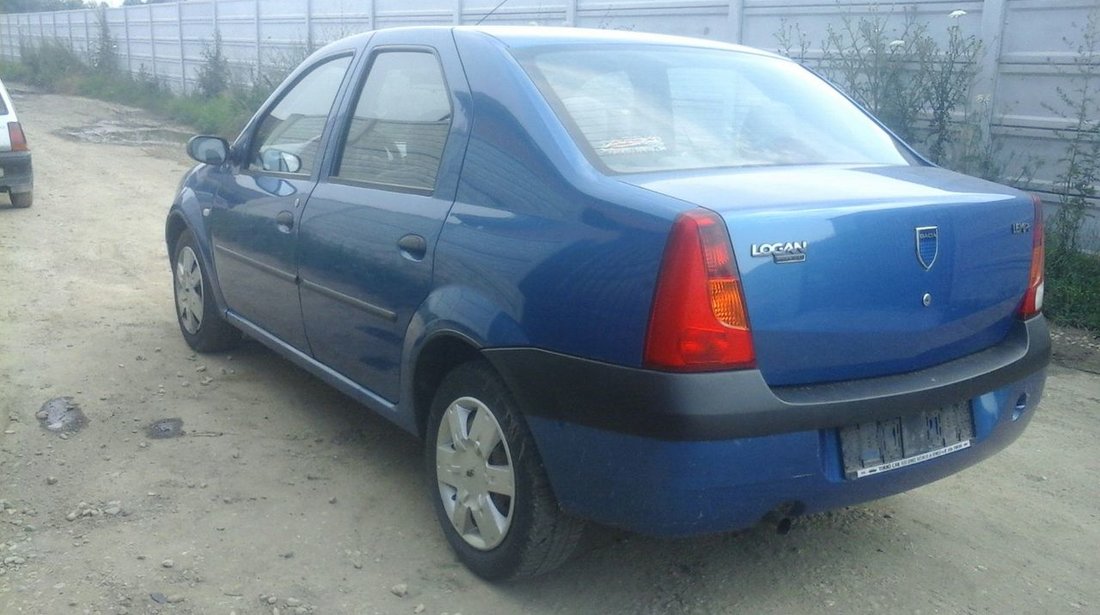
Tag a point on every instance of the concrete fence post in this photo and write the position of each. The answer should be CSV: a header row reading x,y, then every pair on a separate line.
x,y
126,34
309,26
183,57
259,48
736,20
570,12
992,35
152,40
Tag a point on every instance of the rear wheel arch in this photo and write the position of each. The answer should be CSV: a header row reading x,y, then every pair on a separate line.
x,y
491,495
438,357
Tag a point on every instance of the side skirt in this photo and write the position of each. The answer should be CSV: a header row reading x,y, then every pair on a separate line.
x,y
368,398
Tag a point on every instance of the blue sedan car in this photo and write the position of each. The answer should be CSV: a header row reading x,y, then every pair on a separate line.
x,y
664,284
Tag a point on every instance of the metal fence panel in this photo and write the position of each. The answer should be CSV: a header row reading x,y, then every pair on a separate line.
x,y
1026,54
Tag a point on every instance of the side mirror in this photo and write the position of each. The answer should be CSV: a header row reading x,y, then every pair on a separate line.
x,y
279,161
208,150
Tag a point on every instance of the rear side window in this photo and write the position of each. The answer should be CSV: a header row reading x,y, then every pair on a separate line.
x,y
402,117
289,137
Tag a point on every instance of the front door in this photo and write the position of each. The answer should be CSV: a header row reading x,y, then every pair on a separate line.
x,y
254,225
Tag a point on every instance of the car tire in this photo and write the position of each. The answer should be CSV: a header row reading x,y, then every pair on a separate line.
x,y
522,531
203,328
22,199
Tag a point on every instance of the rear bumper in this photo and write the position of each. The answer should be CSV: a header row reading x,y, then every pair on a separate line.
x,y
16,173
738,404
665,488
708,456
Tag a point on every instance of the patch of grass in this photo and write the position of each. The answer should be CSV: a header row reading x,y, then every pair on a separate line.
x,y
1073,290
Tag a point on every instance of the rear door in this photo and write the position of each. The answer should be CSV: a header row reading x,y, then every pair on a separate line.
x,y
254,225
369,230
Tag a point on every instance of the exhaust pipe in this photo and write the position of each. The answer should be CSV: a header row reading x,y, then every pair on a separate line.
x,y
782,516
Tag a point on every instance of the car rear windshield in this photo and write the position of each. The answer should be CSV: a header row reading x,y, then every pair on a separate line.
x,y
653,108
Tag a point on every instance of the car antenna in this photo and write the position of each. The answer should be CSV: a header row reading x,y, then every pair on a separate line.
x,y
490,13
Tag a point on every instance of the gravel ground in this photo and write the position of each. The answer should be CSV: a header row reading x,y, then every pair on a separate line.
x,y
282,496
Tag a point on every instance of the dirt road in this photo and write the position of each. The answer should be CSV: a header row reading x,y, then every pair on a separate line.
x,y
283,496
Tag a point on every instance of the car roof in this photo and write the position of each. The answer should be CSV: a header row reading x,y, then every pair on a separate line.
x,y
531,36
537,36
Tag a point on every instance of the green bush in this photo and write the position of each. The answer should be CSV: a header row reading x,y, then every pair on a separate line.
x,y
50,65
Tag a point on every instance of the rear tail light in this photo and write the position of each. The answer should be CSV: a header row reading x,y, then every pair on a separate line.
x,y
699,321
1033,297
17,138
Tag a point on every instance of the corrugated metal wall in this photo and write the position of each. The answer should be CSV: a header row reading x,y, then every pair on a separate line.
x,y
1028,44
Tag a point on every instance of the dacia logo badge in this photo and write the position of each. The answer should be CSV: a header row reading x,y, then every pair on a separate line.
x,y
928,245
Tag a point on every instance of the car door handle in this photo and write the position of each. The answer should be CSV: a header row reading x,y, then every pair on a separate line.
x,y
413,246
285,221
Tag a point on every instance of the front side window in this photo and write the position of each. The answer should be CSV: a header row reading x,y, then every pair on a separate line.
x,y
643,108
289,137
402,118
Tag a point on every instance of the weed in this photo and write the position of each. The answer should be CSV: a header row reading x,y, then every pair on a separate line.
x,y
880,67
948,76
104,55
213,77
791,36
1073,276
1080,105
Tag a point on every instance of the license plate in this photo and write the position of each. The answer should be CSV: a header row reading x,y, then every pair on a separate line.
x,y
880,446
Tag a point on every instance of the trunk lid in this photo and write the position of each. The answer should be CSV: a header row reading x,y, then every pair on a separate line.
x,y
836,284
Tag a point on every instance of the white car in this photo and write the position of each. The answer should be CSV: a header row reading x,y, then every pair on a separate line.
x,y
16,177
